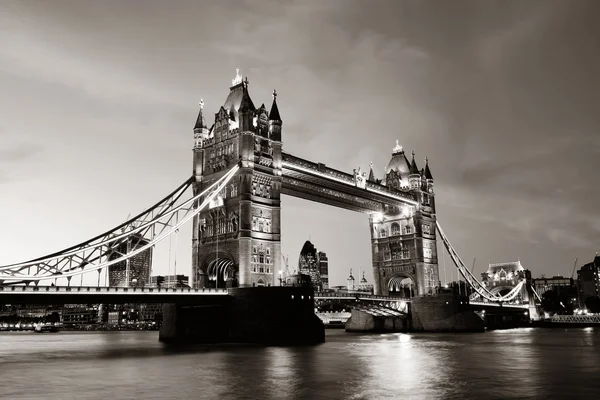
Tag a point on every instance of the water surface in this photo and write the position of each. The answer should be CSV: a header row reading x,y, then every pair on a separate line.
x,y
511,364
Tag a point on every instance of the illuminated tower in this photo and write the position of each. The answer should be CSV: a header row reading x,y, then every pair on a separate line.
x,y
237,241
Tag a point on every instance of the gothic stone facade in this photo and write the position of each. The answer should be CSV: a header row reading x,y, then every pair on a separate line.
x,y
237,241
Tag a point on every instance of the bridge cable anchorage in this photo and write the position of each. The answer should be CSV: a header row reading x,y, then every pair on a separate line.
x,y
143,231
479,288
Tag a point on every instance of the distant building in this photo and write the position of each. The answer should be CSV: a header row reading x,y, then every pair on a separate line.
x,y
588,278
323,264
132,272
364,286
353,287
308,264
80,316
170,281
557,283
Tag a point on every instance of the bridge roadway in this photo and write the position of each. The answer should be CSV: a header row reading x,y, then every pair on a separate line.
x,y
483,305
110,295
357,296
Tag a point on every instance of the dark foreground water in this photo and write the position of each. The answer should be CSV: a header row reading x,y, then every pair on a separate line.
x,y
517,364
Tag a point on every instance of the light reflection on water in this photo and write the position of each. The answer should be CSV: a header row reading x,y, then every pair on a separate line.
x,y
512,364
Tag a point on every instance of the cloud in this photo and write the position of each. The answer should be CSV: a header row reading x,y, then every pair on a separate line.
x,y
19,153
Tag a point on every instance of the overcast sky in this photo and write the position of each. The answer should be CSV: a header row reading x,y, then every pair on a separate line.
x,y
98,101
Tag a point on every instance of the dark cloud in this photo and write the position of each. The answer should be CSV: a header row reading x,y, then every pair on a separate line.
x,y
19,153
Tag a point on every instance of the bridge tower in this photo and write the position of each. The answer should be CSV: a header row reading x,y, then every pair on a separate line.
x,y
403,239
237,241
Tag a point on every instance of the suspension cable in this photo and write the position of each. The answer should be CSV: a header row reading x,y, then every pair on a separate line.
x,y
45,271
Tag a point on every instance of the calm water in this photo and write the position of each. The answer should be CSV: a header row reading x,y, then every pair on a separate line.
x,y
518,364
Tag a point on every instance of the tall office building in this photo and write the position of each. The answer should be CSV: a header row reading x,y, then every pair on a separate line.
x,y
323,264
132,272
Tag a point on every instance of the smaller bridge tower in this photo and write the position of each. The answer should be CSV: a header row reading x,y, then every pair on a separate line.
x,y
501,278
403,239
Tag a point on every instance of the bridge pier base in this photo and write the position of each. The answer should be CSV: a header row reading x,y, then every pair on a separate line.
x,y
260,315
362,321
445,312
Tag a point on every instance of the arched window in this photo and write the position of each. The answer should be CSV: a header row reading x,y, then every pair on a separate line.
x,y
261,258
382,233
260,283
395,229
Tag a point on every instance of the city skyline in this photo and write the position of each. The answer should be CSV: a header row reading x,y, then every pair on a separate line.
x,y
98,122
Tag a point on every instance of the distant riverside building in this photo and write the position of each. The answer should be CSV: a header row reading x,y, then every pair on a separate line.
x,y
588,278
353,287
556,283
314,264
132,272
323,263
170,281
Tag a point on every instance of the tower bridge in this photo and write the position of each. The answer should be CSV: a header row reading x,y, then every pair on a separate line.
x,y
239,173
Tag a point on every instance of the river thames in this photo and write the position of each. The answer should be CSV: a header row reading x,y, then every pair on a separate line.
x,y
509,364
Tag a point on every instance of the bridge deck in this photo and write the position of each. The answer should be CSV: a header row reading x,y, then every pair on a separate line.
x,y
357,296
110,295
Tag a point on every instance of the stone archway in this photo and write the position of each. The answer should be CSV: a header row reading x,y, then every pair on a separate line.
x,y
403,286
220,270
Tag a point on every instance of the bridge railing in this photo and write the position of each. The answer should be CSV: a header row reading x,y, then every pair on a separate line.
x,y
104,289
328,295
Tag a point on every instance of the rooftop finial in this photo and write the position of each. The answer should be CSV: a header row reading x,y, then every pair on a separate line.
x,y
398,148
238,78
274,94
201,104
371,164
246,81
426,160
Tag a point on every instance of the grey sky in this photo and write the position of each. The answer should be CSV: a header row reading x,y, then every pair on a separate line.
x,y
98,101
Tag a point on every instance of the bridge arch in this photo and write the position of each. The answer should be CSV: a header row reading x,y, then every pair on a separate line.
x,y
220,270
403,285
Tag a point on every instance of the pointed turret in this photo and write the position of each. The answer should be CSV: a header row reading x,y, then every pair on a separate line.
x,y
200,129
413,165
350,281
414,179
275,120
428,175
246,103
371,173
247,109
274,114
200,121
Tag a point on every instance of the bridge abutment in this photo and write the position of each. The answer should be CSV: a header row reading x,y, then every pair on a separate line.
x,y
261,315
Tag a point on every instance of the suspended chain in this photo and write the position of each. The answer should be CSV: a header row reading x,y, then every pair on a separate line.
x,y
479,288
90,256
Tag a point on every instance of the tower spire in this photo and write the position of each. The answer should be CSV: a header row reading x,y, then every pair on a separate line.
x,y
274,114
428,175
200,121
371,173
413,165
